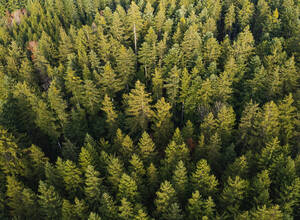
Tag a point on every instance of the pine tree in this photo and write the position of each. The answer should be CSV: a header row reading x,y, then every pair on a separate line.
x,y
163,126
137,169
261,189
94,216
11,162
125,62
157,83
50,201
35,164
287,118
198,208
243,46
240,167
85,159
185,87
165,198
146,148
44,118
91,97
134,23
245,13
209,126
125,210
148,53
188,131
57,103
229,19
174,152
174,212
141,215
108,208
177,137
211,50
110,112
128,188
172,85
265,213
127,147
226,121
203,181
233,195
269,124
191,46
152,179
248,126
22,201
92,185
180,181
115,171
139,110
71,175
109,82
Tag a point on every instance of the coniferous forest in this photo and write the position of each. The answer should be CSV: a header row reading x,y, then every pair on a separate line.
x,y
150,109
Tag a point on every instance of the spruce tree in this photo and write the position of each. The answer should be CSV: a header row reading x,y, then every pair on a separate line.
x,y
146,148
50,201
139,109
92,186
180,181
203,181
233,195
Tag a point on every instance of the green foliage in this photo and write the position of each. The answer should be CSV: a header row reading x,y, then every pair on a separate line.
x,y
149,109
233,195
139,110
199,208
49,200
203,181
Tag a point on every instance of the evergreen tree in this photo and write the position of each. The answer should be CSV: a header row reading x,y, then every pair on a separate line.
x,y
128,188
10,155
203,181
233,195
265,213
163,125
110,112
157,83
108,208
165,198
125,210
261,188
50,201
146,148
114,170
92,185
198,208
137,169
172,85
57,103
109,82
180,181
94,216
288,119
139,110
71,175
22,201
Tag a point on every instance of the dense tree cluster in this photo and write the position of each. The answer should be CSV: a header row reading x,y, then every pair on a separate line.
x,y
150,109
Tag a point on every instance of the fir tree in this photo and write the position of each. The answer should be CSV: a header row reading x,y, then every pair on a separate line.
x,y
139,110
146,147
180,181
92,185
203,181
49,200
